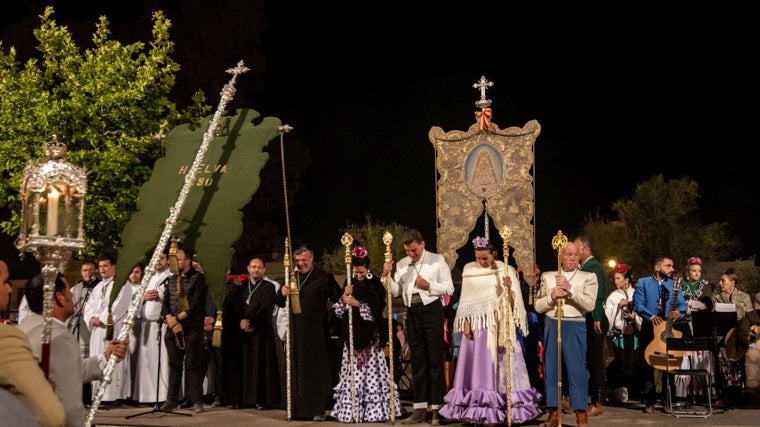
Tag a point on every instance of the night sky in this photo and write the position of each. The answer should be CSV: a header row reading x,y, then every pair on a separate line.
x,y
621,95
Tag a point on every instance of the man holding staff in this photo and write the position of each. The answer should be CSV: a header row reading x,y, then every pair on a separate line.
x,y
423,278
566,296
310,364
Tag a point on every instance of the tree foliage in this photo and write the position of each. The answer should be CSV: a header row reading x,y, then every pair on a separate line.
x,y
370,234
659,220
109,104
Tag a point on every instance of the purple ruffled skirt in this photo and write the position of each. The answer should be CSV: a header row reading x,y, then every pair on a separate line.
x,y
479,397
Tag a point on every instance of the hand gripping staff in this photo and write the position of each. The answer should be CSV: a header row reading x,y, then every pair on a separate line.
x,y
559,241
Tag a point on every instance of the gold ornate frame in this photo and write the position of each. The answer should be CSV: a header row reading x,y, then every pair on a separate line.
x,y
492,166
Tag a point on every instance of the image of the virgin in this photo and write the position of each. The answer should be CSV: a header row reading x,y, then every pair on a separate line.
x,y
484,170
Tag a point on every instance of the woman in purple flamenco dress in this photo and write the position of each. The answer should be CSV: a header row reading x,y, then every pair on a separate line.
x,y
483,374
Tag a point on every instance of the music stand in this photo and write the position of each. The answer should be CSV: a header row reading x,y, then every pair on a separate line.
x,y
157,406
702,323
723,321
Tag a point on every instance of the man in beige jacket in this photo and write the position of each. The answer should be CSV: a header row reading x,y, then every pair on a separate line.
x,y
577,292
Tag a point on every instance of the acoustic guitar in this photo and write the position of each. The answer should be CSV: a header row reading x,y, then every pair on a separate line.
x,y
656,354
734,352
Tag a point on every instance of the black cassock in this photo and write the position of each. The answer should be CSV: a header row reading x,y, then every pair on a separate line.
x,y
312,376
233,339
261,374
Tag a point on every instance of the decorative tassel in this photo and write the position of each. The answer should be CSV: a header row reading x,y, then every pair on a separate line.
x,y
109,326
182,303
295,299
216,337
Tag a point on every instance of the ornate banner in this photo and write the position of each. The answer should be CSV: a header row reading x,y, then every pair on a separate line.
x,y
486,164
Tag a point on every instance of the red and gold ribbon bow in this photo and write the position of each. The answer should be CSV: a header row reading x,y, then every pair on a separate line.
x,y
484,118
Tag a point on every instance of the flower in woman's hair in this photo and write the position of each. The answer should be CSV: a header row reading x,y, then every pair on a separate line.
x,y
479,242
621,268
694,260
236,279
359,252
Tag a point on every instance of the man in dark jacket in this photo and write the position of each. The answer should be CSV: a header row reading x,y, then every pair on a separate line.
x,y
184,308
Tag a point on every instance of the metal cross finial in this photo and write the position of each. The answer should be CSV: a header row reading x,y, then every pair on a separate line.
x,y
240,68
483,84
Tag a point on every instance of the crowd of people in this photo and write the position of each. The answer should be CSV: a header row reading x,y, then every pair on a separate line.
x,y
513,350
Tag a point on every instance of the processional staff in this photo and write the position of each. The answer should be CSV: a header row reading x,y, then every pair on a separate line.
x,y
286,264
226,95
388,239
347,240
558,243
289,279
508,323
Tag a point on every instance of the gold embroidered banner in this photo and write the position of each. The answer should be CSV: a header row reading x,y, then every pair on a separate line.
x,y
491,165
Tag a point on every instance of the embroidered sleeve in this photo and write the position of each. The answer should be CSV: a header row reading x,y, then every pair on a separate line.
x,y
339,308
366,312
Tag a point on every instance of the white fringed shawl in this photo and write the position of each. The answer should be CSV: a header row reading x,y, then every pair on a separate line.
x,y
483,303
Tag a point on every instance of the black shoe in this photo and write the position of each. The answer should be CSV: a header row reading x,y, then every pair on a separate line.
x,y
168,406
649,409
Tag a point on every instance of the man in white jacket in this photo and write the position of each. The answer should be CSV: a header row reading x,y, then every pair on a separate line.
x,y
67,368
96,311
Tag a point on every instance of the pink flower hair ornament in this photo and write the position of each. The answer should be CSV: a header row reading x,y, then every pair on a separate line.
x,y
359,252
694,260
479,242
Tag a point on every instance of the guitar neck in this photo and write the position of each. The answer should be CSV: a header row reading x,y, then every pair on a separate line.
x,y
673,304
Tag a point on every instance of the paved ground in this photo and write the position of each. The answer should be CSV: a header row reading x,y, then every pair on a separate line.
x,y
630,414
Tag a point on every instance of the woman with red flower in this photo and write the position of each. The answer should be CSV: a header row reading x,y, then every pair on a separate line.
x,y
623,373
364,390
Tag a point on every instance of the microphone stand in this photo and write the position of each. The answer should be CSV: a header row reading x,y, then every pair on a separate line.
x,y
82,301
157,406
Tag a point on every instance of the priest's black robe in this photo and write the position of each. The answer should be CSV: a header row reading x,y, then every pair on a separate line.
x,y
312,376
261,373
